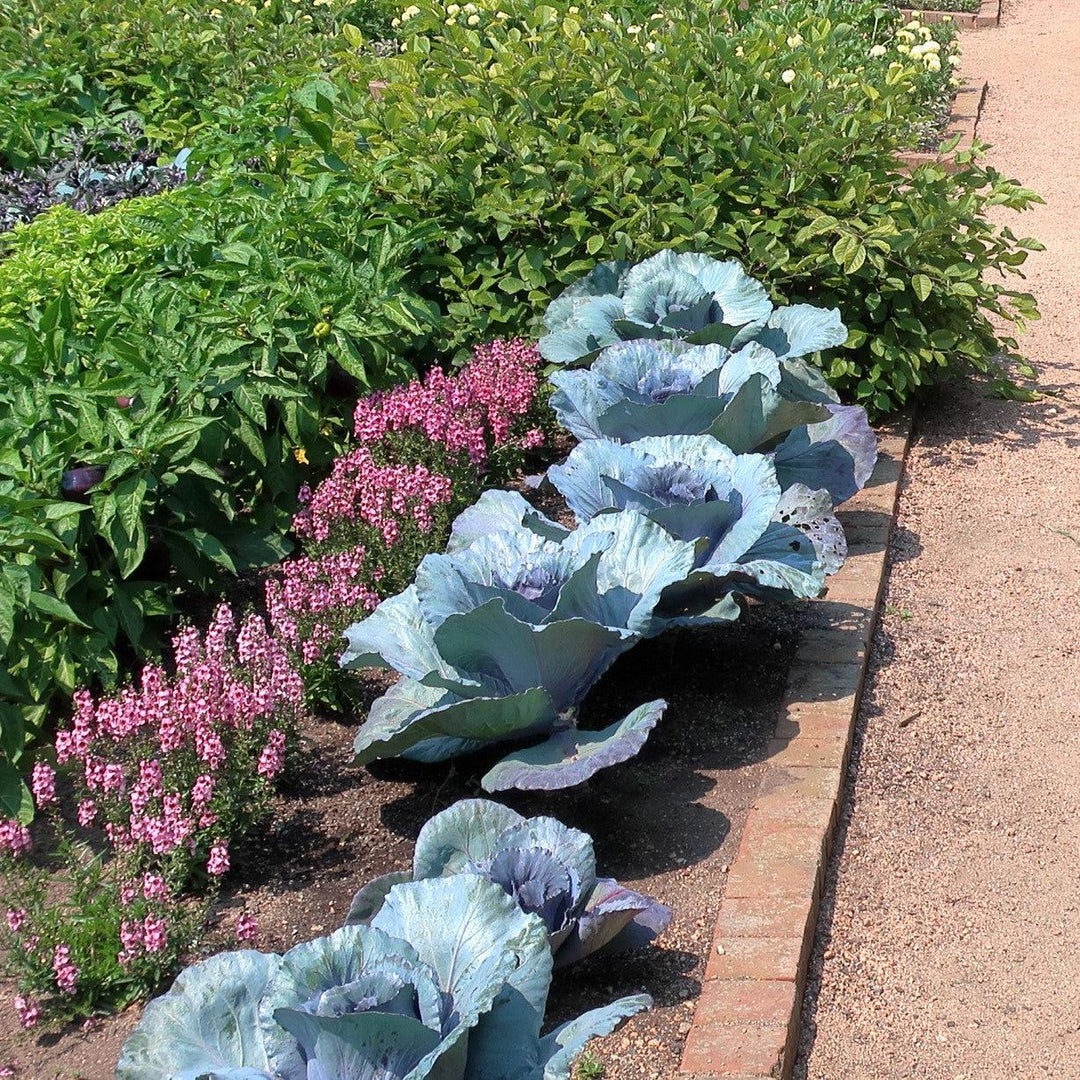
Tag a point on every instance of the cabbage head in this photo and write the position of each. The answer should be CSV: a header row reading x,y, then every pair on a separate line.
x,y
751,538
749,399
450,981
690,297
502,637
548,868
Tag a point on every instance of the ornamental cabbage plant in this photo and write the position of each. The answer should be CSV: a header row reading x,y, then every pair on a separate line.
x,y
548,868
450,981
690,297
751,537
750,399
502,637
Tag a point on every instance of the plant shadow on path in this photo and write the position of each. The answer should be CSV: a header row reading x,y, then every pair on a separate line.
x,y
958,418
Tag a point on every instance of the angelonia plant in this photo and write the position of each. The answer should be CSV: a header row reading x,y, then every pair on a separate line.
x,y
423,453
151,787
711,455
548,868
449,980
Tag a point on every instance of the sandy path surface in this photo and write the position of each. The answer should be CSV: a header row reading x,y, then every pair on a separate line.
x,y
949,941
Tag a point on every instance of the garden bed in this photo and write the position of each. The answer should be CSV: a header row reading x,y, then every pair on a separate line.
x,y
989,14
962,125
667,823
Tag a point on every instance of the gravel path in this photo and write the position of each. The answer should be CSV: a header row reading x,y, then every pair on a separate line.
x,y
948,945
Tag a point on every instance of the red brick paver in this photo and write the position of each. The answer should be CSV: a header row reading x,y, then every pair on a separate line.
x,y
746,1020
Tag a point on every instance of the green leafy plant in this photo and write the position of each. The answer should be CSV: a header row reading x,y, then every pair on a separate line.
x,y
182,67
548,141
163,402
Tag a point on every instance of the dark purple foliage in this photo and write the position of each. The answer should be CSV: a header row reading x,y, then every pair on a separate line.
x,y
94,175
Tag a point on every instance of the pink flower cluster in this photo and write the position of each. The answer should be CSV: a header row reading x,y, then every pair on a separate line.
x,y
66,972
166,765
306,605
149,934
28,1011
170,770
375,516
471,412
358,489
14,838
247,928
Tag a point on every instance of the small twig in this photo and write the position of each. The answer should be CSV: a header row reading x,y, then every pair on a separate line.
x,y
910,719
1063,532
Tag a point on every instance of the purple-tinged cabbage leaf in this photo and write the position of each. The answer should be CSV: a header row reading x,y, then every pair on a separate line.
x,y
449,981
749,400
547,867
502,637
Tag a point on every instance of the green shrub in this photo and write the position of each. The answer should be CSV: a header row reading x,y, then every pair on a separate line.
x,y
205,369
180,65
547,141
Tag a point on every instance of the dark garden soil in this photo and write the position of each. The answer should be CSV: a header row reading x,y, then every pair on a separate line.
x,y
667,823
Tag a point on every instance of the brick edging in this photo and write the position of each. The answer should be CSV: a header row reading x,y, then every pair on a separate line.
x,y
988,15
746,1023
963,121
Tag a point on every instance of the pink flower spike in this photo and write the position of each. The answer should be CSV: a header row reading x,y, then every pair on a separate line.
x,y
218,863
14,838
66,972
247,928
28,1010
155,936
43,784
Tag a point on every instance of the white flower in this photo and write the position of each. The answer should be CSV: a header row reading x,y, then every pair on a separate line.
x,y
878,50
395,22
650,46
954,59
452,9
926,33
473,20
409,13
633,29
738,50
608,17
469,9
932,63
932,47
795,41
903,50
913,25
501,15
787,76
954,82
905,35
572,10
946,18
